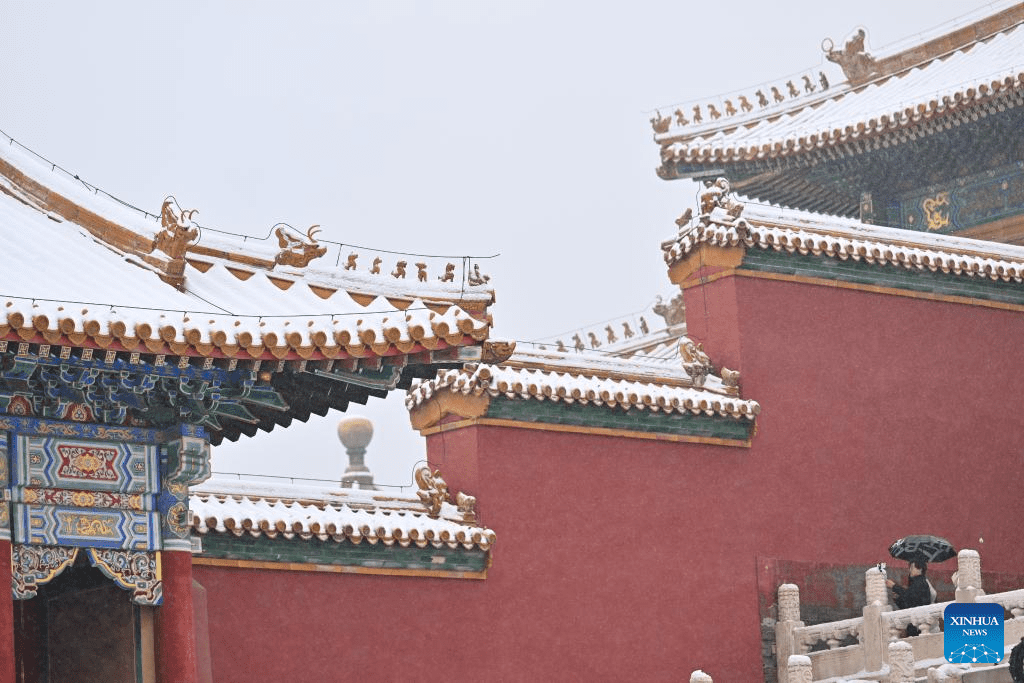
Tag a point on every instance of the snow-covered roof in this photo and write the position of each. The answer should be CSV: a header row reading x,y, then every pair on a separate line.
x,y
639,332
85,269
665,385
943,82
799,232
243,508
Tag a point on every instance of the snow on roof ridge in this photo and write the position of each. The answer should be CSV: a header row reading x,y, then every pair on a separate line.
x,y
773,227
454,274
598,379
289,511
720,123
626,334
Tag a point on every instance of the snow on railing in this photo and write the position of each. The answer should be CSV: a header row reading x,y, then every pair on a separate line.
x,y
880,632
832,633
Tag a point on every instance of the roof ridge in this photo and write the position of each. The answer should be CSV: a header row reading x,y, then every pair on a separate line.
x,y
175,233
859,67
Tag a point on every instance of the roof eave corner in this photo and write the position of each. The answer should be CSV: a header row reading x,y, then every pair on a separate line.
x,y
715,242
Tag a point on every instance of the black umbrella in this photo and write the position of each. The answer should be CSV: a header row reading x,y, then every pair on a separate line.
x,y
922,547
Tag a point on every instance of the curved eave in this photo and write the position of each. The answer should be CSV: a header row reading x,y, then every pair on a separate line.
x,y
702,157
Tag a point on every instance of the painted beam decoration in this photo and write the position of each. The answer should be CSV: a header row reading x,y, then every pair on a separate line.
x,y
88,465
138,572
74,492
966,203
117,390
33,566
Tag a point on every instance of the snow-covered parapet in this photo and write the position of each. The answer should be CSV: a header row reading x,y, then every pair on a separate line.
x,y
595,379
244,508
805,233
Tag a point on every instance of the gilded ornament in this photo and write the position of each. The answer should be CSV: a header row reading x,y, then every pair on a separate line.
x,y
295,251
178,231
660,123
475,278
467,506
449,273
83,499
674,312
399,271
695,362
421,272
716,195
497,351
177,519
350,264
87,525
858,66
936,211
136,571
433,490
34,565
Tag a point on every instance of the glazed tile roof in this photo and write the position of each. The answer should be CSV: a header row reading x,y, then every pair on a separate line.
x,y
586,377
639,332
799,232
947,81
245,508
105,284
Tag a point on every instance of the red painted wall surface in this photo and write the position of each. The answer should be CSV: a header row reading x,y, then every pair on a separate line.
x,y
623,559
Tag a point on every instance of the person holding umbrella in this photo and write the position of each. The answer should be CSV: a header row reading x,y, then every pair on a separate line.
x,y
918,550
917,592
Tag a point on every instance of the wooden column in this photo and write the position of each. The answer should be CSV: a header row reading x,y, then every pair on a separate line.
x,y
6,614
175,626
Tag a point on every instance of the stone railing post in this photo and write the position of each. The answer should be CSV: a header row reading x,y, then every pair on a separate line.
x,y
874,637
901,662
798,669
699,676
968,576
789,619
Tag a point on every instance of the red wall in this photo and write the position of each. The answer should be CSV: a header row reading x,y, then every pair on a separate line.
x,y
622,559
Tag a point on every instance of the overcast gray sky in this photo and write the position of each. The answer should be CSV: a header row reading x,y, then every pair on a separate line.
x,y
463,128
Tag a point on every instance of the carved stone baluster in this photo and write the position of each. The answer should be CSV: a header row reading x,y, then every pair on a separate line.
x,y
789,619
968,576
901,663
874,587
798,669
873,633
